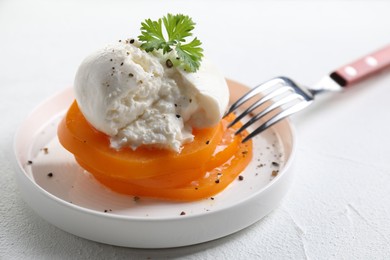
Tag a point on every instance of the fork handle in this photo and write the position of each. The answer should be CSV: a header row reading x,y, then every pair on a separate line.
x,y
360,69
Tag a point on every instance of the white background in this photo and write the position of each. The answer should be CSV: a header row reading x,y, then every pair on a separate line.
x,y
339,204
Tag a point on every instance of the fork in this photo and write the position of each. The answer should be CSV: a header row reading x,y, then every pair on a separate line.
x,y
282,97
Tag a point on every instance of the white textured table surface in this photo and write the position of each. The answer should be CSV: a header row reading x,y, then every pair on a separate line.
x,y
339,204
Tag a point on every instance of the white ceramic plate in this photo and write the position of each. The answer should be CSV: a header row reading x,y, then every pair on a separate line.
x,y
65,195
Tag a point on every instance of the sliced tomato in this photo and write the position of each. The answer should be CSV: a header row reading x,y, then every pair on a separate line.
x,y
93,148
210,184
203,168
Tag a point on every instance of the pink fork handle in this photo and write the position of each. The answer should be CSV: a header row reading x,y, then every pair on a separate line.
x,y
354,72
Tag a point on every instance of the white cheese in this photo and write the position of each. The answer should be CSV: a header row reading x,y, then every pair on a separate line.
x,y
133,97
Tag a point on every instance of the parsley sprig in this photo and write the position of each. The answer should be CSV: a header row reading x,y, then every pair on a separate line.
x,y
177,27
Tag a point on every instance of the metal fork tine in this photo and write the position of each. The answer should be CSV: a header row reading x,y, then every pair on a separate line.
x,y
283,114
254,91
272,107
283,106
260,102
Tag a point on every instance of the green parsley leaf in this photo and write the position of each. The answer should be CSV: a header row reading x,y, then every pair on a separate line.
x,y
152,35
178,28
191,54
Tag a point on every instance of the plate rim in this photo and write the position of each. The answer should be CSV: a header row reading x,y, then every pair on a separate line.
x,y
113,216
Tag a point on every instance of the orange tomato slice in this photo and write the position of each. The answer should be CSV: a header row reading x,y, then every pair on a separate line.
x,y
93,148
203,168
212,183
